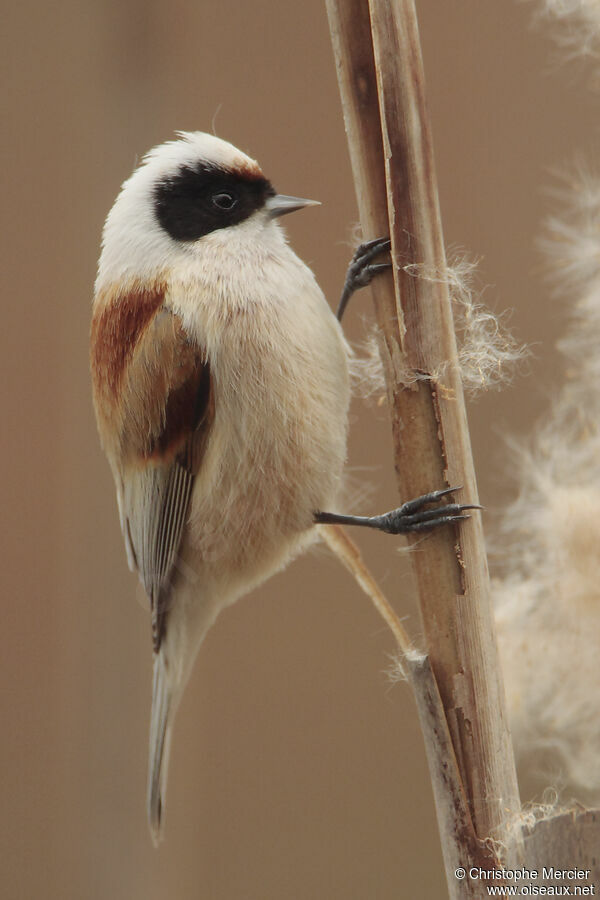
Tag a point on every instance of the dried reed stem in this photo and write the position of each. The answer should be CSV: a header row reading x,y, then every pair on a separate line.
x,y
379,67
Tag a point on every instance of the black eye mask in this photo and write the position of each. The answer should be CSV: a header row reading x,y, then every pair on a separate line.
x,y
203,198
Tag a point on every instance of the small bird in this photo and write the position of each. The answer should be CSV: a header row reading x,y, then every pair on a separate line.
x,y
221,391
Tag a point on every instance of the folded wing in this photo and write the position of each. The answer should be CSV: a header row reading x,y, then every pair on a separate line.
x,y
155,407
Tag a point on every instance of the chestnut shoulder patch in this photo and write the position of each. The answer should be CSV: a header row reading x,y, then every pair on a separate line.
x,y
118,323
152,386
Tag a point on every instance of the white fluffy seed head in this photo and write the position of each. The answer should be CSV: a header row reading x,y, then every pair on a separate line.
x,y
548,603
577,23
488,354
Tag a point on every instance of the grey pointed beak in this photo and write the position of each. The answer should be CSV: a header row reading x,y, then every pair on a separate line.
x,y
280,205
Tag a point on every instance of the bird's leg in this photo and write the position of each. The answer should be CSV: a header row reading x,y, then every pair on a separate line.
x,y
410,518
362,270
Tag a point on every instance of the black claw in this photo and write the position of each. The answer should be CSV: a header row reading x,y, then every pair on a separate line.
x,y
366,275
369,249
368,272
411,517
397,523
423,515
360,271
432,497
433,523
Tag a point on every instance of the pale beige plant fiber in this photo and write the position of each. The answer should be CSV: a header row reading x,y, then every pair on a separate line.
x,y
548,605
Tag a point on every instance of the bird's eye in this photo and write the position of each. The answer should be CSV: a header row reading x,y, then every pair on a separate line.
x,y
223,200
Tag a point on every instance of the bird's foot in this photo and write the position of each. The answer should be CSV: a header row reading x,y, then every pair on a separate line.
x,y
410,518
362,270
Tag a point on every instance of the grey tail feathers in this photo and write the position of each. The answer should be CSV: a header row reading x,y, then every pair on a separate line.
x,y
160,739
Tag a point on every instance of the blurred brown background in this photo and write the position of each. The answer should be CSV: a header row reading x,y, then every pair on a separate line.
x,y
297,770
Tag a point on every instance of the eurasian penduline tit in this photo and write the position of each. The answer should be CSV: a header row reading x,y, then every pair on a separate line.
x,y
220,381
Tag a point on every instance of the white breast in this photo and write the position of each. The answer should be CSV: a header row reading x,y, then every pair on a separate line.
x,y
279,367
